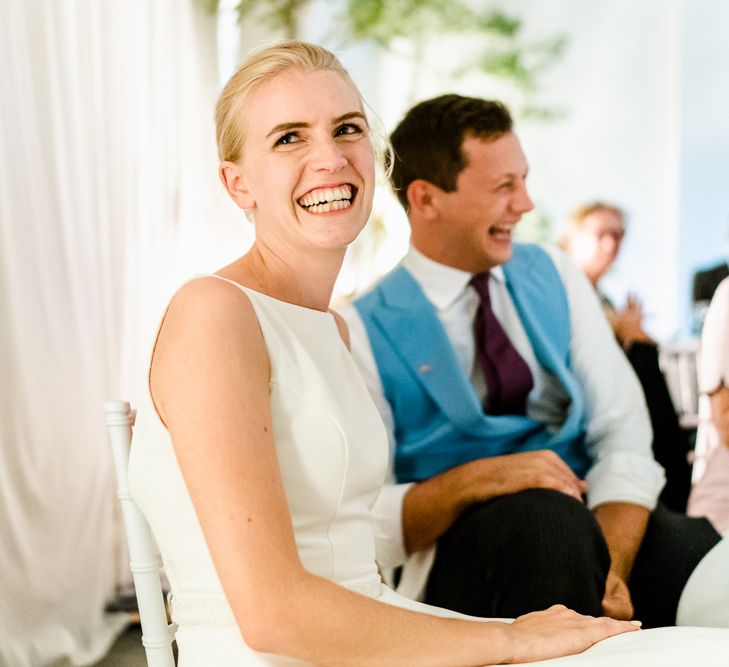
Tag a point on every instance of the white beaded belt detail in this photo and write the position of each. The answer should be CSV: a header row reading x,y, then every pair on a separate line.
x,y
370,587
200,609
188,608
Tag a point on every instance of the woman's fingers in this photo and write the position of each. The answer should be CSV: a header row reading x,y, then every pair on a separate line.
x,y
559,631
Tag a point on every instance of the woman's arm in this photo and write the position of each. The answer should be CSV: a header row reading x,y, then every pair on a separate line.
x,y
210,379
714,360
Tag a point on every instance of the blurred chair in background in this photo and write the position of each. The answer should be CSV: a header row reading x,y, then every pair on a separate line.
x,y
679,364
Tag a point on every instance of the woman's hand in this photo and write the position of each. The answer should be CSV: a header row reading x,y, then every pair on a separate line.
x,y
559,631
628,323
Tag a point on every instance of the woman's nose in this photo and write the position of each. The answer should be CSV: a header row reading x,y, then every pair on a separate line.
x,y
327,156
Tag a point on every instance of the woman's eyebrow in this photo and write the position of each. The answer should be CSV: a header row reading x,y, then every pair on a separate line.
x,y
281,127
349,116
287,126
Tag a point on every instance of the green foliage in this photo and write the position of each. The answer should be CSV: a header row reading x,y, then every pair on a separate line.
x,y
208,6
535,227
505,54
520,63
499,23
383,21
540,112
278,15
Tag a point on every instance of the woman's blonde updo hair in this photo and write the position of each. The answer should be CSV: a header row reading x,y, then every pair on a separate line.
x,y
258,68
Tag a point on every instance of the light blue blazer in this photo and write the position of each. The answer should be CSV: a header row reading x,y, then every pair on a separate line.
x,y
438,418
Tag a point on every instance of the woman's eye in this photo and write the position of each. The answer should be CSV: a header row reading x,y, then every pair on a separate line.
x,y
288,138
348,128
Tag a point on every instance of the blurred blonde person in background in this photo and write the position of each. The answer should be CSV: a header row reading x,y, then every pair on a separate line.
x,y
592,238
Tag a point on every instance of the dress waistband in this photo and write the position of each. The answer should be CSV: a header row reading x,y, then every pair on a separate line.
x,y
208,608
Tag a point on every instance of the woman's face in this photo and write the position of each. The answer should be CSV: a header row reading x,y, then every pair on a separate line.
x,y
308,165
596,244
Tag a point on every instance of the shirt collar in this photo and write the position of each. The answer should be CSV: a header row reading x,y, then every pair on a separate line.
x,y
442,284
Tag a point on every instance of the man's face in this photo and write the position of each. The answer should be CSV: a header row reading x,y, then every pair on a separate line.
x,y
476,220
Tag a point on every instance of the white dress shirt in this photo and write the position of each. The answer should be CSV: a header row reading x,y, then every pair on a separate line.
x,y
618,437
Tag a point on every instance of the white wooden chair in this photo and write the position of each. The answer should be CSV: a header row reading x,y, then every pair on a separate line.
x,y
145,561
679,362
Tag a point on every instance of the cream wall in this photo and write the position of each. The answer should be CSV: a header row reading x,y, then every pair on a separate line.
x,y
646,86
703,232
620,82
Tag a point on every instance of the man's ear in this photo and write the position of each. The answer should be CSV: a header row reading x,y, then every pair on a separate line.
x,y
231,176
422,199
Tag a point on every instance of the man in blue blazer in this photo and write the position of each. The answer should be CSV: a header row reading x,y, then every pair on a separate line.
x,y
528,466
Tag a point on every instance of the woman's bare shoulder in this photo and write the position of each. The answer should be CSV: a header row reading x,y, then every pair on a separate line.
x,y
210,333
209,308
210,295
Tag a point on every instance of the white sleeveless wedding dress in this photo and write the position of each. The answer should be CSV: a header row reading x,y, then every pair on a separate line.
x,y
332,451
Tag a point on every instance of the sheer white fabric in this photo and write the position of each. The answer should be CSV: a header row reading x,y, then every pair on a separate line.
x,y
107,172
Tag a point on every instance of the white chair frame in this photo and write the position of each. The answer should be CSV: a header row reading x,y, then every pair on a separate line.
x,y
145,561
679,363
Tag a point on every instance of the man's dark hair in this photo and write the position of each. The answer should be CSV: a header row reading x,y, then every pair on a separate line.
x,y
427,142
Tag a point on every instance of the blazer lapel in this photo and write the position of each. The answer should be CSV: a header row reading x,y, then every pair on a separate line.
x,y
545,351
426,351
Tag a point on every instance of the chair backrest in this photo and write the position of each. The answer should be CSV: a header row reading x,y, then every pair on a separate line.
x,y
145,561
679,363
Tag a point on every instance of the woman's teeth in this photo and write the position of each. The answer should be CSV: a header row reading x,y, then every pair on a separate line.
x,y
324,200
336,205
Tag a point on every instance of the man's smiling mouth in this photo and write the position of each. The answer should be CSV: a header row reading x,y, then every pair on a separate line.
x,y
502,232
324,200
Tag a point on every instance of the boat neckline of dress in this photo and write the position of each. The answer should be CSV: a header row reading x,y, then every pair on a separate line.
x,y
315,311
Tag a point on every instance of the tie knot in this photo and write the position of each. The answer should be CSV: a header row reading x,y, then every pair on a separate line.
x,y
480,282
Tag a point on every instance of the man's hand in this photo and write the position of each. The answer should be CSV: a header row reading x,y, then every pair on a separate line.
x,y
500,475
623,525
617,602
431,507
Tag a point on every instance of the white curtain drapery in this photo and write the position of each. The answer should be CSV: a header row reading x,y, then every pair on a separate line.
x,y
107,195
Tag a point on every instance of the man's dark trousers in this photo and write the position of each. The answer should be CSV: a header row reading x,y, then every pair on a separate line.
x,y
526,551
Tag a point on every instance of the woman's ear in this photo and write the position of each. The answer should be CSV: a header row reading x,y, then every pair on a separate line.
x,y
231,176
421,199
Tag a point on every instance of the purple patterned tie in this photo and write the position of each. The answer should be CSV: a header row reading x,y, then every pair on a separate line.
x,y
508,378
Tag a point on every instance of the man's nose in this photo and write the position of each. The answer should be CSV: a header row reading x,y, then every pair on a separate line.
x,y
523,202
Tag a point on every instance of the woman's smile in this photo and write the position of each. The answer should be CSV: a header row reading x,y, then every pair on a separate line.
x,y
326,199
314,145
